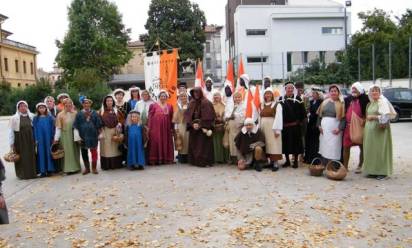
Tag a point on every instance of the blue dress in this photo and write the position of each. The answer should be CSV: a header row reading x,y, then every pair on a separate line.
x,y
43,135
135,152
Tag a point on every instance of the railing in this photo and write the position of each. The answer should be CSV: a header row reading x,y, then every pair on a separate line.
x,y
18,44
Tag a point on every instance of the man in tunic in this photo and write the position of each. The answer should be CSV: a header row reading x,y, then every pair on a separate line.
x,y
250,143
293,115
51,106
89,125
355,106
200,118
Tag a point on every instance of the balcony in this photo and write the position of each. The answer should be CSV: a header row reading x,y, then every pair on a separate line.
x,y
19,45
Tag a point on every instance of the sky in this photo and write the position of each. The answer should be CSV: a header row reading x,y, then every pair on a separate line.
x,y
39,23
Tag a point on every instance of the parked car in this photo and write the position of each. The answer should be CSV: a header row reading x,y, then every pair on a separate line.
x,y
401,99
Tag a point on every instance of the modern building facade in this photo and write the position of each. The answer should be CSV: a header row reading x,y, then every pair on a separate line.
x,y
17,60
212,56
275,38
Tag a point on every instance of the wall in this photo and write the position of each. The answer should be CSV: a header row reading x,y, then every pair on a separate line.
x,y
135,64
13,77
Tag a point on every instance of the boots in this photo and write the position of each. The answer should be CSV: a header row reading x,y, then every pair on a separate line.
x,y
275,166
86,168
94,168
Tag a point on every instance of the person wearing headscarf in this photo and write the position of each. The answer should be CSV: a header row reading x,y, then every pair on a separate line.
x,y
60,101
243,85
121,104
134,142
134,98
377,140
43,125
4,216
271,124
312,130
250,143
208,90
51,106
200,119
21,140
331,123
355,107
143,106
182,134
160,144
65,135
88,124
234,117
221,153
294,114
110,155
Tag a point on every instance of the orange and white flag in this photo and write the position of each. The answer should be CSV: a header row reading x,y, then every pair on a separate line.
x,y
199,82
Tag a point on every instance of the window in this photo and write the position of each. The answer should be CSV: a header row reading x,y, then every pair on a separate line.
x,y
207,47
27,85
208,63
24,67
403,95
16,63
305,57
332,30
31,68
6,64
255,32
256,59
289,61
279,2
19,85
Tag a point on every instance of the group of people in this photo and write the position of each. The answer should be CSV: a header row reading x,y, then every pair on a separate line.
x,y
208,126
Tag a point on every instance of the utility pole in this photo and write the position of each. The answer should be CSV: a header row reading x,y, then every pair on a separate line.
x,y
390,63
410,62
373,63
347,4
261,65
359,65
283,67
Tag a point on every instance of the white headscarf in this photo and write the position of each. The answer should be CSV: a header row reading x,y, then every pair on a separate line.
x,y
15,119
245,78
359,87
283,92
385,108
247,122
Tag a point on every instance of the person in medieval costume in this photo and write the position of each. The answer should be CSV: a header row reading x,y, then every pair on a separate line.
x,y
182,134
122,106
160,144
243,85
60,101
234,117
271,124
355,107
293,115
331,123
250,142
65,135
51,106
221,153
88,125
110,155
312,130
21,140
208,91
43,125
134,141
4,216
134,98
200,119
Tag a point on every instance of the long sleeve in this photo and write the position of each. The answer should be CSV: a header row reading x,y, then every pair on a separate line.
x,y
278,122
11,136
57,134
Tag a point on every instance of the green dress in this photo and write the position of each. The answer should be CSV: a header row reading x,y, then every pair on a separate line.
x,y
25,147
71,160
377,146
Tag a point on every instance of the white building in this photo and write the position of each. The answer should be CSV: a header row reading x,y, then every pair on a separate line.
x,y
212,57
276,40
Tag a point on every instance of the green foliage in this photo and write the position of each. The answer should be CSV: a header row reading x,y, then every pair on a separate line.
x,y
179,23
85,79
96,39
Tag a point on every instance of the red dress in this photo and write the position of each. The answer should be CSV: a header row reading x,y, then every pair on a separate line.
x,y
160,143
353,107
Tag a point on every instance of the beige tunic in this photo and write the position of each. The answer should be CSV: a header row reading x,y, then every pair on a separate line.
x,y
271,122
237,113
180,127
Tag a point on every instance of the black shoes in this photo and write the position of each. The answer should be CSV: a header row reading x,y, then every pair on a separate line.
x,y
287,164
258,167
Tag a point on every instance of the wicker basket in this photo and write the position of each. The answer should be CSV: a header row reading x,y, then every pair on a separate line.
x,y
11,157
333,173
316,168
56,151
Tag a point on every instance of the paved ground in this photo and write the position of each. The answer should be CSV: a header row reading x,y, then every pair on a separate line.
x,y
183,206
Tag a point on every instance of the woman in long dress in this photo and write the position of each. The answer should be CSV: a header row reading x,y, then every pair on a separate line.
x,y
312,130
271,124
134,98
181,127
160,144
64,135
234,116
331,123
221,153
110,155
21,139
43,124
377,140
134,142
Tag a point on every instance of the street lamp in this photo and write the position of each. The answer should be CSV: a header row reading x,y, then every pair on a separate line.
x,y
347,4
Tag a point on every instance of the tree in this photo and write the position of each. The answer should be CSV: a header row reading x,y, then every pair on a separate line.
x,y
96,40
176,23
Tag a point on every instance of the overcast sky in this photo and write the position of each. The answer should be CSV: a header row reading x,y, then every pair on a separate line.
x,y
40,23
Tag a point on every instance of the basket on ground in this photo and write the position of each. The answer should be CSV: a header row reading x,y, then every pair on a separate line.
x,y
335,170
57,151
316,168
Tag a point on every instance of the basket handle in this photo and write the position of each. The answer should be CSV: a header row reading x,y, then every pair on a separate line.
x,y
316,159
329,164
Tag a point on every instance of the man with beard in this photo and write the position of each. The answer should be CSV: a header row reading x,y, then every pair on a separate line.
x,y
209,88
200,117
